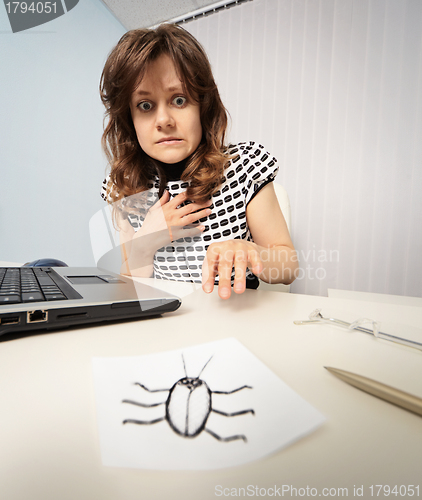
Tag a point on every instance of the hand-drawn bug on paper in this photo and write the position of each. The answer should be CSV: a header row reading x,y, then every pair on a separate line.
x,y
188,406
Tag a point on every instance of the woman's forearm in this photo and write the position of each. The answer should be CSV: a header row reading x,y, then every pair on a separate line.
x,y
280,264
138,254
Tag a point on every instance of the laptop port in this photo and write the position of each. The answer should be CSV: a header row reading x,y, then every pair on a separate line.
x,y
11,320
72,316
37,316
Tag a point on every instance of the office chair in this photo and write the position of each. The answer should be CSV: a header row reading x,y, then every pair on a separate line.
x,y
283,200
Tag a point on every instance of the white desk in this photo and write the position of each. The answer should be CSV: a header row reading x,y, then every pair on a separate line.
x,y
375,297
48,432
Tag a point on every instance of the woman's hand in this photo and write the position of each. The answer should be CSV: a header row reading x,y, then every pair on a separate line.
x,y
222,257
170,223
163,224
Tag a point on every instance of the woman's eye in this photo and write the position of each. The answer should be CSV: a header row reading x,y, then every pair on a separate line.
x,y
145,106
179,101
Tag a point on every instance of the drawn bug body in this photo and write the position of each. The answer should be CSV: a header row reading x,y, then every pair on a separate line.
x,y
188,406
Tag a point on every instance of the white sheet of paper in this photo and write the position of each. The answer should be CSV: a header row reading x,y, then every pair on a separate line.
x,y
280,415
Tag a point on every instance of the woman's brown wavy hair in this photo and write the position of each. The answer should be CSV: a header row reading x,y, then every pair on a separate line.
x,y
132,170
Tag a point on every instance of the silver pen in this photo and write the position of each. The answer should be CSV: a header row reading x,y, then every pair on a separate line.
x,y
383,391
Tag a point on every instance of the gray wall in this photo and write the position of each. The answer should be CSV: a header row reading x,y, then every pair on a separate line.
x,y
333,88
51,163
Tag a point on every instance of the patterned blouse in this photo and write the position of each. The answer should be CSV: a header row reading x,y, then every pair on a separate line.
x,y
249,170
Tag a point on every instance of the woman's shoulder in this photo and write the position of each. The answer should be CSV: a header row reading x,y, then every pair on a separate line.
x,y
248,148
104,192
251,167
109,191
250,158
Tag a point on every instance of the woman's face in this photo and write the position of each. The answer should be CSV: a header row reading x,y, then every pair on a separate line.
x,y
166,120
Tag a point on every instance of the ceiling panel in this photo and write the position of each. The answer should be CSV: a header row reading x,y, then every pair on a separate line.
x,y
146,13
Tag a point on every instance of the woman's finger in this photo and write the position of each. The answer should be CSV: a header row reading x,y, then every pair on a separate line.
x,y
225,267
255,263
192,208
222,258
177,200
194,217
179,232
240,263
161,201
209,270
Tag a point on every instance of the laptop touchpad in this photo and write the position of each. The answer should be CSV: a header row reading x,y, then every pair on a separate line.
x,y
86,280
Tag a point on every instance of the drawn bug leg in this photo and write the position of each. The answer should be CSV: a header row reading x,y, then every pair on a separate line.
x,y
233,414
242,412
144,405
233,391
227,439
143,422
151,390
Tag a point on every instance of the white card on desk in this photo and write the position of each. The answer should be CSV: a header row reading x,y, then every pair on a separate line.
x,y
210,406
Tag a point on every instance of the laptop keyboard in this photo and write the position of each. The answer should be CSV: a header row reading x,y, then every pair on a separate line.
x,y
28,284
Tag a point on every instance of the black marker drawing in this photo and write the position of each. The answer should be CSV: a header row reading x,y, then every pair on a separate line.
x,y
188,407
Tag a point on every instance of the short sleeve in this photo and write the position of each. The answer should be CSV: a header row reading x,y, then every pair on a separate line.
x,y
259,167
133,208
104,195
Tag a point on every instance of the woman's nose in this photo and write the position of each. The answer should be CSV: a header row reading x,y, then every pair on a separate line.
x,y
164,117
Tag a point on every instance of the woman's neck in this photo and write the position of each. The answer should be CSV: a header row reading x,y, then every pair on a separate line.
x,y
173,171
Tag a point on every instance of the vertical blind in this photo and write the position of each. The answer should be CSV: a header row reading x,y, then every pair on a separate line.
x,y
333,89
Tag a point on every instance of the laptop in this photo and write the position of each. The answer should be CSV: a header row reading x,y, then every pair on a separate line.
x,y
49,298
